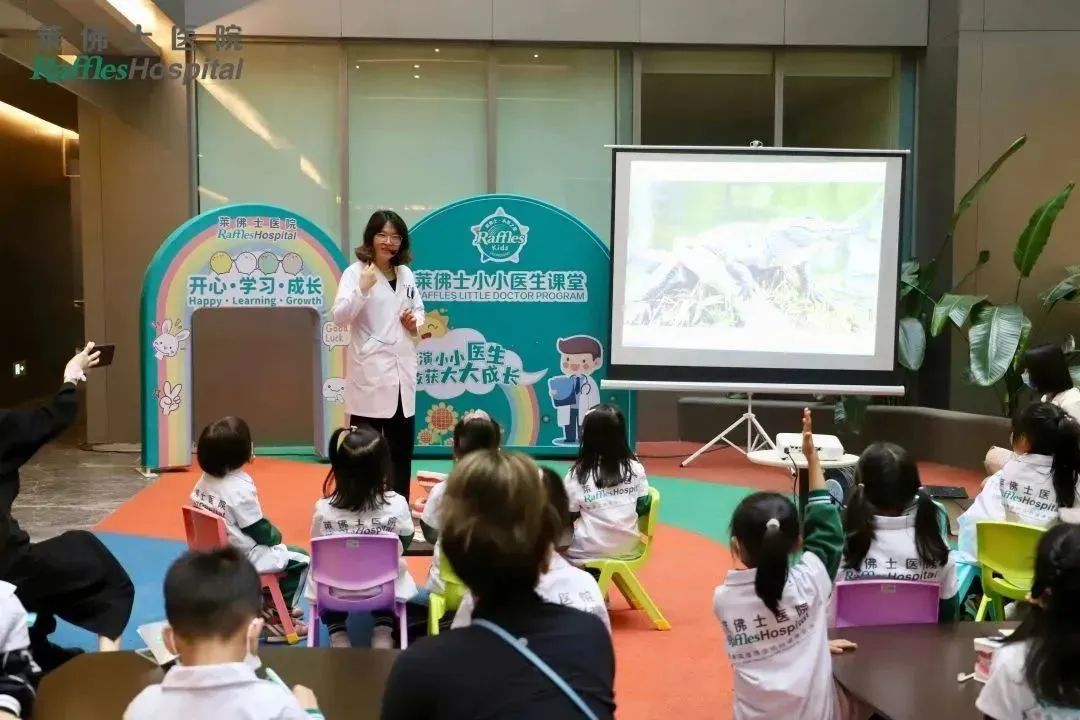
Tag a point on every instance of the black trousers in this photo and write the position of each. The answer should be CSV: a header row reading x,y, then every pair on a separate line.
x,y
400,434
72,576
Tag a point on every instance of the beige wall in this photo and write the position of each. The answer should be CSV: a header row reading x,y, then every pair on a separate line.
x,y
1018,72
135,191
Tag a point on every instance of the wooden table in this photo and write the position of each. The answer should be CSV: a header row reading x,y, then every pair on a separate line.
x,y
908,672
348,682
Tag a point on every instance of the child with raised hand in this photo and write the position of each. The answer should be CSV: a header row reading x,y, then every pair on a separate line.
x,y
475,431
212,603
775,617
18,671
892,527
607,488
223,449
1037,673
1038,486
560,582
357,499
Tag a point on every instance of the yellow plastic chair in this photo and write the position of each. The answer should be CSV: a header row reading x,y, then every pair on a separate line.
x,y
448,599
1007,558
621,570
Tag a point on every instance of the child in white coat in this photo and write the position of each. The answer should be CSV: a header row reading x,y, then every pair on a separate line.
x,y
775,617
224,448
357,499
1038,486
893,528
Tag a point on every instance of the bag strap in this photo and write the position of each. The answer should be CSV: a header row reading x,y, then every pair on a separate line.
x,y
540,664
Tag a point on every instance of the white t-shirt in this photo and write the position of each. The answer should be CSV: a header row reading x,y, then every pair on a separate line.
x,y
562,584
14,636
1021,492
782,665
1007,696
608,526
893,555
1069,401
235,499
430,517
208,692
392,517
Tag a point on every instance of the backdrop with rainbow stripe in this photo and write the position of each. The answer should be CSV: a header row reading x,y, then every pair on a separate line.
x,y
236,256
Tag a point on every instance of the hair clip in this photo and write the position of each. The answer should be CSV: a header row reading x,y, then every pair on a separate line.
x,y
772,524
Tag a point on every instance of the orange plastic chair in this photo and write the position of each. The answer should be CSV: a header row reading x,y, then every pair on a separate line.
x,y
1007,558
206,531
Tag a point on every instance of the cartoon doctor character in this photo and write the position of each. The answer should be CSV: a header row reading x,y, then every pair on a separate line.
x,y
378,301
575,393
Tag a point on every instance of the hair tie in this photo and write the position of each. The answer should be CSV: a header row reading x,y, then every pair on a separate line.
x,y
772,524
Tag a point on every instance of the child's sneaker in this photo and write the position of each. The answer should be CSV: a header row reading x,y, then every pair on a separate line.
x,y
274,631
382,637
340,639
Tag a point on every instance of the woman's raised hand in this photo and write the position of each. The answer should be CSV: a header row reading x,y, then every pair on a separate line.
x,y
368,277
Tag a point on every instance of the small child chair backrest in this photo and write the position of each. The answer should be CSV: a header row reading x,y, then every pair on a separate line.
x,y
885,602
1008,549
453,588
204,530
647,522
355,563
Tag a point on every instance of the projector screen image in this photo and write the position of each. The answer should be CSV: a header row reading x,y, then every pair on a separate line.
x,y
759,259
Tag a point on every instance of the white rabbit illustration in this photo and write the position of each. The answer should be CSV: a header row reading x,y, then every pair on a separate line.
x,y
333,390
169,398
167,344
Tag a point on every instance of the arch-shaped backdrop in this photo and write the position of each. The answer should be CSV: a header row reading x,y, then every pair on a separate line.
x,y
243,255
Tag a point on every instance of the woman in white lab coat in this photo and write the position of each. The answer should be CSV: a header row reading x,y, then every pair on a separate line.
x,y
378,301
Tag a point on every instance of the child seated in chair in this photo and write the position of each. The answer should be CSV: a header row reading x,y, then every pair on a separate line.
x,y
212,602
18,671
893,528
224,448
357,499
607,489
1038,486
475,431
560,582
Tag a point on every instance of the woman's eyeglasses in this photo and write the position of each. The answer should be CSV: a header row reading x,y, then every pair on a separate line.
x,y
383,237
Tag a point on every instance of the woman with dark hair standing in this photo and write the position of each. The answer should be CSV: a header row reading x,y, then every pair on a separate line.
x,y
1047,373
378,301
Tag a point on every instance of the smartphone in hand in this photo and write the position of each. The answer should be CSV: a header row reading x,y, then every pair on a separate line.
x,y
105,358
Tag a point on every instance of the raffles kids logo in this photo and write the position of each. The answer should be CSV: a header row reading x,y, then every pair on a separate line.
x,y
500,238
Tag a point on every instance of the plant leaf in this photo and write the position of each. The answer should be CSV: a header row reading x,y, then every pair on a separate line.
x,y
973,192
1066,290
909,276
993,339
984,257
1032,241
850,412
953,307
1021,348
912,343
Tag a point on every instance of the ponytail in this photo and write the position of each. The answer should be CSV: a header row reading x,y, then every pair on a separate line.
x,y
859,528
332,453
765,528
929,543
772,566
1066,465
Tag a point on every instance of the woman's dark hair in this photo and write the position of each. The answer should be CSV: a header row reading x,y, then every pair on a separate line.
x,y
557,497
767,528
887,483
365,251
498,524
478,432
359,469
1047,369
605,449
1052,627
224,446
1050,430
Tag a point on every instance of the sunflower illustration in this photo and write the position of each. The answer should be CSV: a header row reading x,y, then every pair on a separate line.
x,y
441,417
425,437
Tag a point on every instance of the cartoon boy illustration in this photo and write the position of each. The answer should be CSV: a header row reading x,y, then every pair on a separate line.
x,y
575,393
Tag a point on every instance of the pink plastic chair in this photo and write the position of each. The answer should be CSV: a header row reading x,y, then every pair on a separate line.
x,y
355,573
206,531
885,602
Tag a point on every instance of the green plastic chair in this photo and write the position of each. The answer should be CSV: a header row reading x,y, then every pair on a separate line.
x,y
449,599
1007,558
621,570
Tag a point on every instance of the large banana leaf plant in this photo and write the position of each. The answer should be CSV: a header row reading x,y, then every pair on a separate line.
x,y
997,334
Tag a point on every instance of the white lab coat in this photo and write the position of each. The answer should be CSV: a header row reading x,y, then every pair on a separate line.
x,y
588,398
381,359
